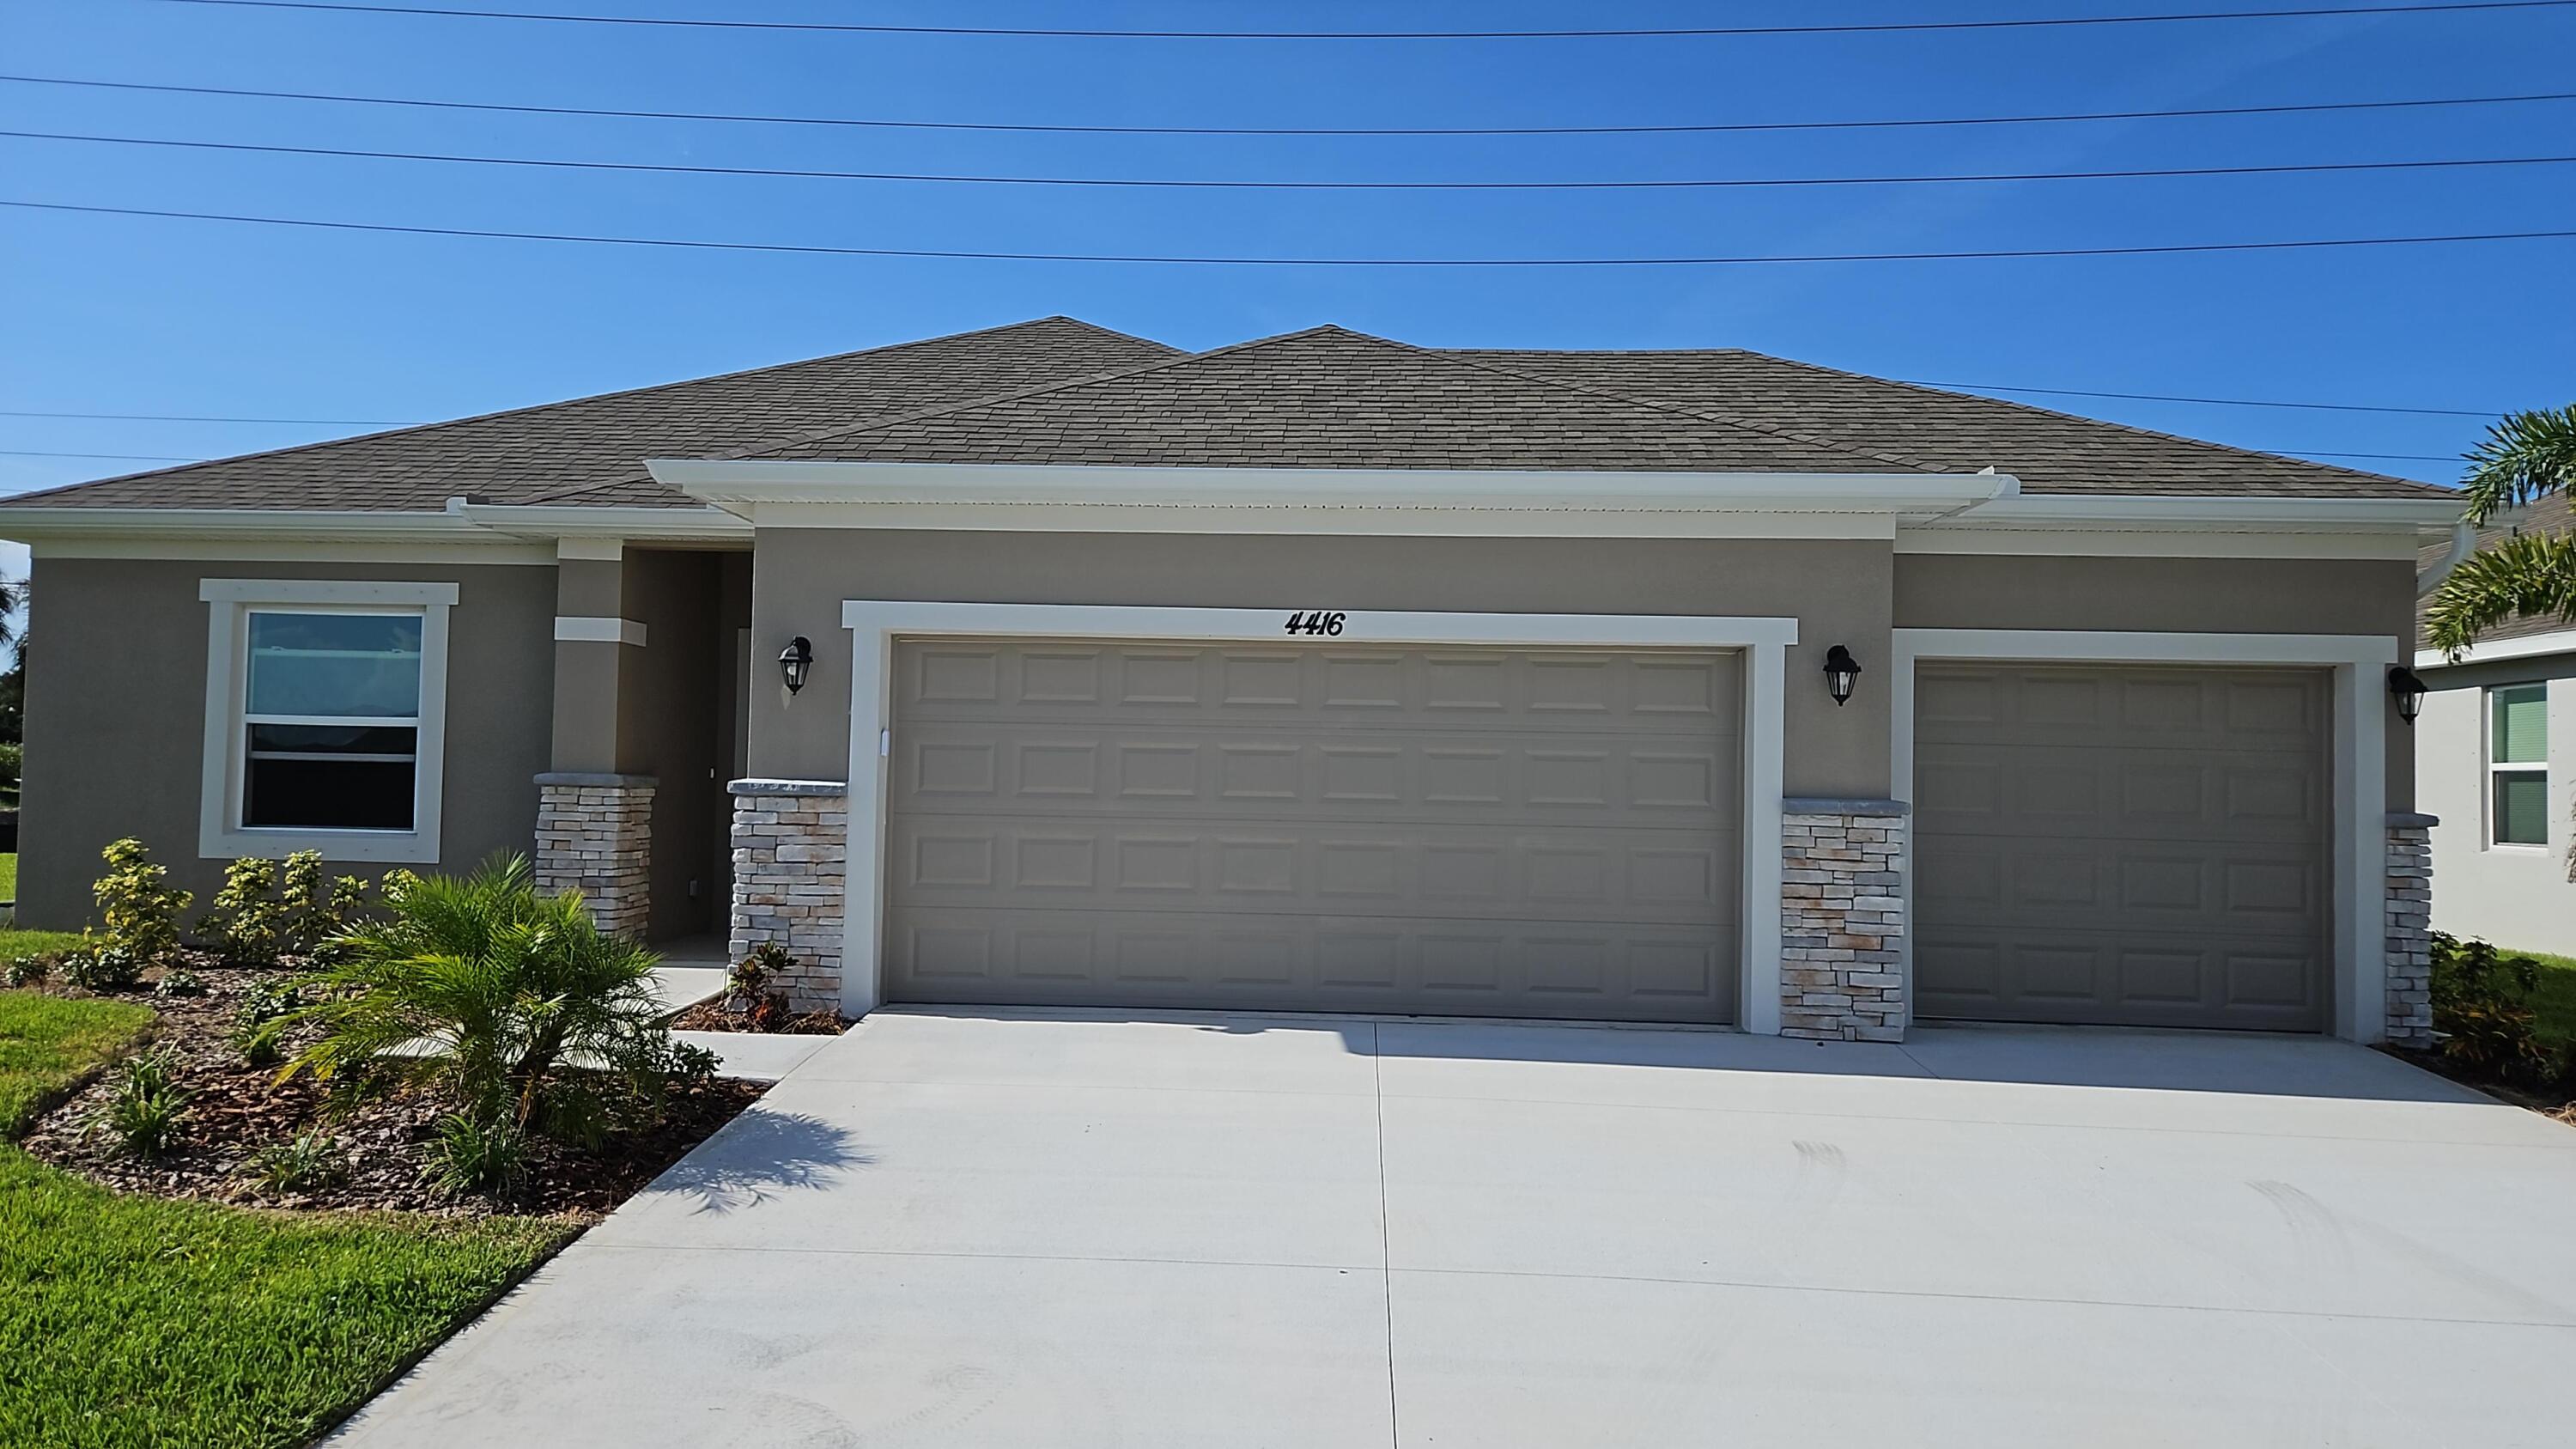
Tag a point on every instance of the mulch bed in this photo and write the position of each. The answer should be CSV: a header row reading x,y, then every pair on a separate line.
x,y
238,1109
2558,1104
716,1016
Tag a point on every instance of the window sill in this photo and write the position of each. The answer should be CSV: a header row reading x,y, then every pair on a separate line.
x,y
387,847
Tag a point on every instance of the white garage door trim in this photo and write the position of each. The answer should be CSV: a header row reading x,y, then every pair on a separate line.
x,y
2360,663
876,624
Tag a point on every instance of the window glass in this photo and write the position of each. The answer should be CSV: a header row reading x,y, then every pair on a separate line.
x,y
334,665
2521,807
2518,736
312,758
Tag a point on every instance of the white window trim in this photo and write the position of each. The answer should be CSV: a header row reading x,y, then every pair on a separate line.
x,y
875,625
220,836
2360,729
2495,767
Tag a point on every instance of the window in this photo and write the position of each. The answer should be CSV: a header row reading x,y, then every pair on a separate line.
x,y
2518,764
325,707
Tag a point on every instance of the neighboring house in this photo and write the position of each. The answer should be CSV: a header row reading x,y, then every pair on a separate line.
x,y
1052,666
2496,752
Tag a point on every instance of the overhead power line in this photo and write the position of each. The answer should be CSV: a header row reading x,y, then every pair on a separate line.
x,y
2226,402
1233,184
1693,128
1656,32
1187,259
190,418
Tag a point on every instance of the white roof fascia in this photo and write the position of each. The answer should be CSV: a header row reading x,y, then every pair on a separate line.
x,y
2528,646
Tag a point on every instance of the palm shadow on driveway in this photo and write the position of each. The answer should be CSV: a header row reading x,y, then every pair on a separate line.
x,y
759,1155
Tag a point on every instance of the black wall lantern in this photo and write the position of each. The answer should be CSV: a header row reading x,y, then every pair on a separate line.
x,y
1841,673
2408,690
796,661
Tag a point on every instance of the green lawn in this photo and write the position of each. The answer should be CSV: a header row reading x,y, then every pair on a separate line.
x,y
15,943
2555,1001
8,875
131,1321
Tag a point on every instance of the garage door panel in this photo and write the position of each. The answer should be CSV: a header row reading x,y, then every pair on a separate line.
x,y
1355,687
1635,875
1467,966
1010,768
2022,789
2141,845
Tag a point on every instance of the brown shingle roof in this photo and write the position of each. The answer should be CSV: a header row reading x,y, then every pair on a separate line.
x,y
2050,452
1332,398
1061,391
592,450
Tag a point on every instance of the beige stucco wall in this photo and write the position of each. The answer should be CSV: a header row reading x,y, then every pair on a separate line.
x,y
2173,595
2513,895
1839,590
116,698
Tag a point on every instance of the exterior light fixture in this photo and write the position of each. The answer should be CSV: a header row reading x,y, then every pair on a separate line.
x,y
795,662
2408,691
1841,673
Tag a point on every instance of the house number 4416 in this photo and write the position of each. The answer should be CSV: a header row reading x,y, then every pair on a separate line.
x,y
1314,621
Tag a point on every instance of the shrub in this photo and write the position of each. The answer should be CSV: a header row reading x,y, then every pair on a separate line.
x,y
179,981
2482,1002
512,987
99,964
137,907
30,970
13,763
747,987
147,1106
478,1155
243,923
259,1023
312,915
308,1161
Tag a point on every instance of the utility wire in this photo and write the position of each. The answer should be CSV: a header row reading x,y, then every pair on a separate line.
x,y
1184,259
2227,402
1884,27
189,418
1679,129
1206,184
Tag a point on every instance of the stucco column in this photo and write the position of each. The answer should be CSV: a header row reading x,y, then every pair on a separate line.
x,y
1842,917
594,823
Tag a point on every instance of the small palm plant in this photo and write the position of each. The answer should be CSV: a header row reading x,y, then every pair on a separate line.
x,y
2525,457
515,1004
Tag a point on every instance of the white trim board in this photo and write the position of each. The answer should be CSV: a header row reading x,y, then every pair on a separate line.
x,y
2528,646
597,629
2360,664
875,625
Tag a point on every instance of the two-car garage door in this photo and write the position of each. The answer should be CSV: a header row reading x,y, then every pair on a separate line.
x,y
1315,826
2127,845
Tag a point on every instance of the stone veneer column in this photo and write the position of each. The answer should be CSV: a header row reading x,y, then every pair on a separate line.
x,y
595,835
791,841
1842,916
2410,929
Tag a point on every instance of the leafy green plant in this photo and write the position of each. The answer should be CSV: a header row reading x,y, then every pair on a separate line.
x,y
146,1109
259,1022
99,964
30,970
179,981
313,914
137,906
2482,1003
307,1161
747,986
513,1003
13,761
242,925
478,1155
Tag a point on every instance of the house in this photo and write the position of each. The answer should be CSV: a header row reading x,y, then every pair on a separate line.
x,y
1054,666
2495,741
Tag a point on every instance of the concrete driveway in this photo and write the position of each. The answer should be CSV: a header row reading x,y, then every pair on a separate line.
x,y
1067,1229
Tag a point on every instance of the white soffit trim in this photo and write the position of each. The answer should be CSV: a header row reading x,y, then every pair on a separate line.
x,y
538,520
2529,646
740,485
2203,542
598,629
2201,511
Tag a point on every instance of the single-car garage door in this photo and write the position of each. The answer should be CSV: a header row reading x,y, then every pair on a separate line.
x,y
2118,844
1321,827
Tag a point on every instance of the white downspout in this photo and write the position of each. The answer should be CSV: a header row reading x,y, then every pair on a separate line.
x,y
2463,540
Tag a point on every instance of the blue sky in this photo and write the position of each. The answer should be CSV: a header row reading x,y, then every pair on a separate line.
x,y
130,315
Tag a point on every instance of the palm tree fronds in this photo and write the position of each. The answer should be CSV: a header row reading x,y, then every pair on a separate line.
x,y
2524,576
2525,456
